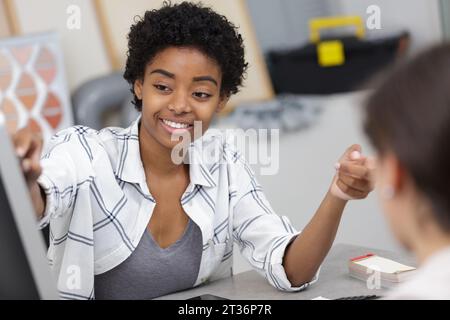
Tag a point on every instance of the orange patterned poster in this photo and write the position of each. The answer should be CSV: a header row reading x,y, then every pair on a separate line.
x,y
33,89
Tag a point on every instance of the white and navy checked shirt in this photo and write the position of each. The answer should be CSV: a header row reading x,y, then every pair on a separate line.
x,y
99,205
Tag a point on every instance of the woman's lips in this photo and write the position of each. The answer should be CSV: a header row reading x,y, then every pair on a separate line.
x,y
169,129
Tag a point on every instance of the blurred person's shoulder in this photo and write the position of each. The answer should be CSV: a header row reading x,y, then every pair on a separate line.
x,y
430,283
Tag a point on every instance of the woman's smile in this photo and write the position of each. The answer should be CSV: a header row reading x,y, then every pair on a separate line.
x,y
175,126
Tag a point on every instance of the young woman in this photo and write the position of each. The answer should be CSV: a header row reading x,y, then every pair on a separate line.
x,y
127,222
408,121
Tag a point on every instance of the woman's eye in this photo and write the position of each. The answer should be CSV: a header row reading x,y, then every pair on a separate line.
x,y
202,95
161,87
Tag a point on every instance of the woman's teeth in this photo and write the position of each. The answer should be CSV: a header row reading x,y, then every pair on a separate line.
x,y
175,125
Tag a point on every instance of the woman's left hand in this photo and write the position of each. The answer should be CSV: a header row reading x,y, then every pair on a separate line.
x,y
354,177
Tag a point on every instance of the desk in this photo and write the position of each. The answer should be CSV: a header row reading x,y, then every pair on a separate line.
x,y
334,281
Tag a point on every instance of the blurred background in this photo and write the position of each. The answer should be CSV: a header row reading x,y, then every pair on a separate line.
x,y
61,63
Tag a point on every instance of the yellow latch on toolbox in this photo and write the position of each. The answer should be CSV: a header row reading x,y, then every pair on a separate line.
x,y
332,53
317,24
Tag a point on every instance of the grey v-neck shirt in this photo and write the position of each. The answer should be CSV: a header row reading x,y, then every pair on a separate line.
x,y
151,271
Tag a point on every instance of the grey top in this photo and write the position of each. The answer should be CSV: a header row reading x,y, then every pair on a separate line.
x,y
151,271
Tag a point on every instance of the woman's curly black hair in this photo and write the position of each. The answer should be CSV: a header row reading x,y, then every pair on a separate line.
x,y
186,25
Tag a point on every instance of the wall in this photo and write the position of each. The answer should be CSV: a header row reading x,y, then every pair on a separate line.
x,y
284,23
84,51
84,54
4,27
420,17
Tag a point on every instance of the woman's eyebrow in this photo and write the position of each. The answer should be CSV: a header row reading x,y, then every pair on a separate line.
x,y
164,73
196,79
205,78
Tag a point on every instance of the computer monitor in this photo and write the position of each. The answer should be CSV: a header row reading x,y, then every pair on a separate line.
x,y
24,268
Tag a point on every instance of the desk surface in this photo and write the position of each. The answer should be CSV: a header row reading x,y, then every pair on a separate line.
x,y
334,281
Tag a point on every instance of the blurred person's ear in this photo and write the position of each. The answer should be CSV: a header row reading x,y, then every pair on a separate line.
x,y
395,174
396,193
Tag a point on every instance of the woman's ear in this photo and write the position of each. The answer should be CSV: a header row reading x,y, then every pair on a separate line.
x,y
222,103
138,88
396,174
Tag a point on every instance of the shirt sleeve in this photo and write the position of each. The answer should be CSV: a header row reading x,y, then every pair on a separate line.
x,y
63,166
262,235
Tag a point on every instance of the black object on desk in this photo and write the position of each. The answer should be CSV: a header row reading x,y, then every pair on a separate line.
x,y
207,297
365,297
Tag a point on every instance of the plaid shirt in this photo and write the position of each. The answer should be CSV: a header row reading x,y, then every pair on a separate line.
x,y
99,205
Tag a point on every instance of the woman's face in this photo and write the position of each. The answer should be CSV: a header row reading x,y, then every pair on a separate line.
x,y
180,86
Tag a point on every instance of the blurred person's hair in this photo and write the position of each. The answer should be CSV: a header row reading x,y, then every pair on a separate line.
x,y
409,115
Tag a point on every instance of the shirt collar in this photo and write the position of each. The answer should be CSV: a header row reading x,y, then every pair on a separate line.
x,y
199,169
129,166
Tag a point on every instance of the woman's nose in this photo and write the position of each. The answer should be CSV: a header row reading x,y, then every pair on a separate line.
x,y
178,109
180,104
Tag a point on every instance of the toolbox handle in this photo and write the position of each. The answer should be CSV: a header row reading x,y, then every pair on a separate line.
x,y
317,24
